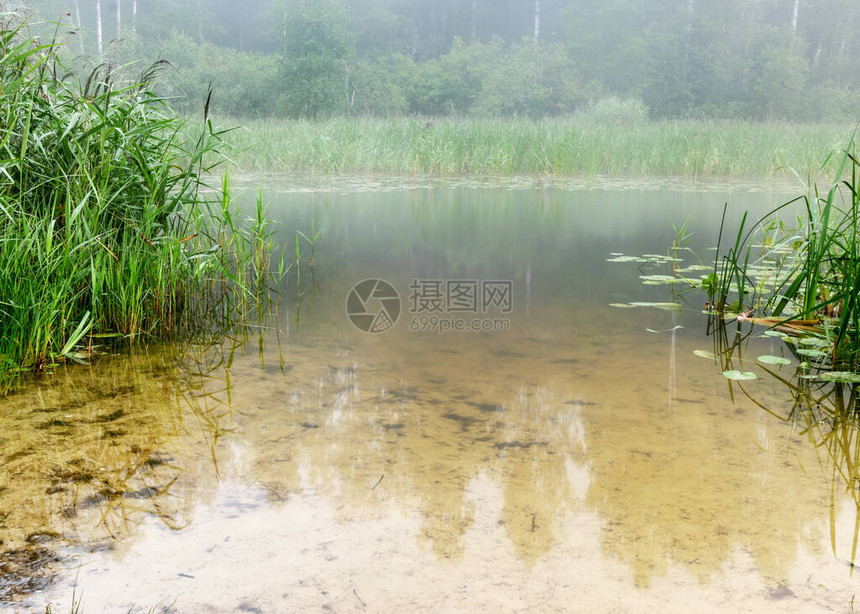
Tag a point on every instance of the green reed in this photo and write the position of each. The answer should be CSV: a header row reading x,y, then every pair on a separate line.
x,y
573,146
106,226
805,274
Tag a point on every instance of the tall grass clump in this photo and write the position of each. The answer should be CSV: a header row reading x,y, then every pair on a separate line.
x,y
104,228
613,138
802,277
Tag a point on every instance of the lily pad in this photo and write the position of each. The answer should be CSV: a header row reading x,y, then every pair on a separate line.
x,y
814,342
660,279
739,375
812,353
662,257
653,282
626,259
846,377
705,354
773,360
665,330
666,306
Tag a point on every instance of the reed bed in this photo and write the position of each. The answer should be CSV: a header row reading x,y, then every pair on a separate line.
x,y
797,270
104,227
574,146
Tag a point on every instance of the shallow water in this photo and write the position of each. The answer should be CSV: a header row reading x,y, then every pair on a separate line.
x,y
572,462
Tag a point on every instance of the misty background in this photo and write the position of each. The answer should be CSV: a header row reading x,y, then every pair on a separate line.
x,y
752,59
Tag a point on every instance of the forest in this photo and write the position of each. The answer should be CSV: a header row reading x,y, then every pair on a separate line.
x,y
796,60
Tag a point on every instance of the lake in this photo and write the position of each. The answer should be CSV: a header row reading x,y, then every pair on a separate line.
x,y
447,413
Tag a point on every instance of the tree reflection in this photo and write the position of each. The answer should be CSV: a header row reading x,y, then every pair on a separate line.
x,y
673,474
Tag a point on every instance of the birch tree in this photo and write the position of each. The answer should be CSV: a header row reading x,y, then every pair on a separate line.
x,y
78,24
99,27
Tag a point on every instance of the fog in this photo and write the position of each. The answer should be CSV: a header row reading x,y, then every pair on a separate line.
x,y
751,59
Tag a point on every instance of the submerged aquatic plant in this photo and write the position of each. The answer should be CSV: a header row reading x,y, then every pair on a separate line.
x,y
105,228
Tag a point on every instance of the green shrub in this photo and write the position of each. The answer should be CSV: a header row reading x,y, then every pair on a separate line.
x,y
615,111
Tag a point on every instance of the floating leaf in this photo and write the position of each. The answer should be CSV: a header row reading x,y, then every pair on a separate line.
x,y
774,333
666,306
773,360
739,375
664,282
705,354
845,377
815,342
665,330
622,305
660,257
626,259
812,353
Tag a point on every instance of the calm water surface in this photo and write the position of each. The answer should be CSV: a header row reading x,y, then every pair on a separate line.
x,y
572,462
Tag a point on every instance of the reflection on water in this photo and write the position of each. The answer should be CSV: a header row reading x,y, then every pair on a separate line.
x,y
825,413
576,459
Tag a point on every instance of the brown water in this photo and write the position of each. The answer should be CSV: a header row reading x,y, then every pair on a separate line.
x,y
575,462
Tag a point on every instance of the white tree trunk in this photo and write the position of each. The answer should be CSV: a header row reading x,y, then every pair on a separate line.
x,y
537,21
200,21
794,15
78,24
118,18
134,16
474,20
99,26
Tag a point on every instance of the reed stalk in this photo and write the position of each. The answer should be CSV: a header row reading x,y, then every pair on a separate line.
x,y
105,228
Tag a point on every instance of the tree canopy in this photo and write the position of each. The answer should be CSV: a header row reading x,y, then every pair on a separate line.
x,y
759,59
